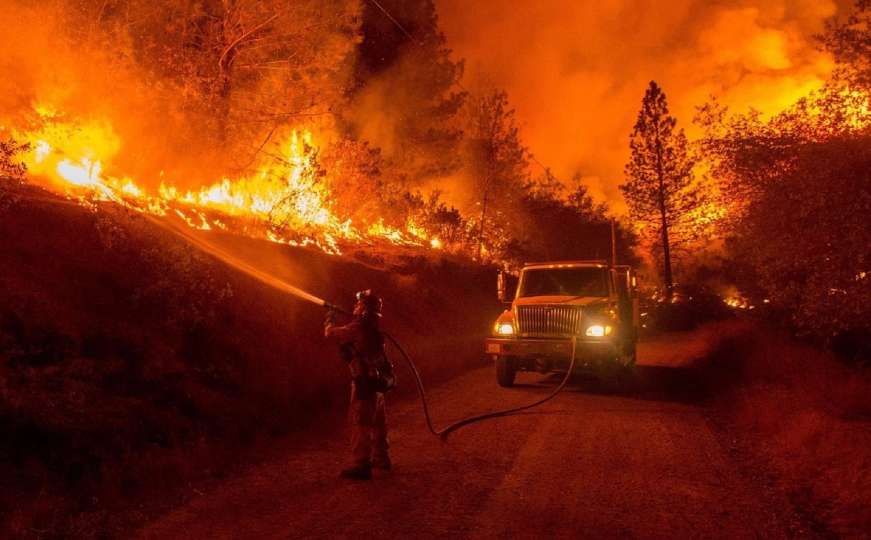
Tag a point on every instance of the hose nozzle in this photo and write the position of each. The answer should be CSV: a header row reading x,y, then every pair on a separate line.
x,y
333,307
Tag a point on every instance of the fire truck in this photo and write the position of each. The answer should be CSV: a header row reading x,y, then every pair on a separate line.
x,y
553,307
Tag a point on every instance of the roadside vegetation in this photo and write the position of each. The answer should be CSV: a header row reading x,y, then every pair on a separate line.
x,y
134,367
800,413
778,220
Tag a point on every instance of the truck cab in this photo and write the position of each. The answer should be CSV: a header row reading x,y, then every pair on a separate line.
x,y
555,306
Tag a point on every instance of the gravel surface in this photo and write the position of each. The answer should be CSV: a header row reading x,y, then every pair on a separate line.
x,y
644,462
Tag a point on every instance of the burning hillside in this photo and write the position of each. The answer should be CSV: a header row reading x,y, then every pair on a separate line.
x,y
285,200
138,116
322,148
237,116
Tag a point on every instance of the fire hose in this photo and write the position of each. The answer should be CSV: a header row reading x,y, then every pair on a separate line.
x,y
445,431
280,284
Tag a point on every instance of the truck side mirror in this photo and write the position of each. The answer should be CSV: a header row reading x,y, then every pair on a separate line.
x,y
506,287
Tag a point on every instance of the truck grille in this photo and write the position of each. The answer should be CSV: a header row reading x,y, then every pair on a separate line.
x,y
548,320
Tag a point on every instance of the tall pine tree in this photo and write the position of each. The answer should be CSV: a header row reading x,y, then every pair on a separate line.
x,y
659,188
497,159
407,97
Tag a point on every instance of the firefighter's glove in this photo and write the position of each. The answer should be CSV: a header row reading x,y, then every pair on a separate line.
x,y
330,317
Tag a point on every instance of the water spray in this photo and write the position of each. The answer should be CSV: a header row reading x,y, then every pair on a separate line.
x,y
242,266
281,285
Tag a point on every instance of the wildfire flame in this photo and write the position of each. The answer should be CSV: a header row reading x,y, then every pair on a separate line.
x,y
285,198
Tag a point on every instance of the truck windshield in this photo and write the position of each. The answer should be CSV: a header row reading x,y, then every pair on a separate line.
x,y
584,281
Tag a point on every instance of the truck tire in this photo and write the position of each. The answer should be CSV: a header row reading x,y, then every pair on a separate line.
x,y
505,371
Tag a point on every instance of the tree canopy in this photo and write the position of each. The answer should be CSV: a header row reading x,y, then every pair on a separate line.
x,y
659,188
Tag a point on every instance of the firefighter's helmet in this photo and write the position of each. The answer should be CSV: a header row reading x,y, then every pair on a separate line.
x,y
369,303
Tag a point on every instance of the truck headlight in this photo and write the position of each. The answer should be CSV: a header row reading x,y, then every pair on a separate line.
x,y
505,329
598,330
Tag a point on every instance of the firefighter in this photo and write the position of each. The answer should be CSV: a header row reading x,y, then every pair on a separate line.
x,y
362,347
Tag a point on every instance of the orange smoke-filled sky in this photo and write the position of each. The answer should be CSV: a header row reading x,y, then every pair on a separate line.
x,y
576,70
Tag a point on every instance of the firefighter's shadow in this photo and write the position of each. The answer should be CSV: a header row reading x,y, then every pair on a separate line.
x,y
656,383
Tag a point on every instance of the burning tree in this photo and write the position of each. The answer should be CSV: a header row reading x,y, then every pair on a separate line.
x,y
406,79
10,165
497,159
241,68
268,119
849,41
11,168
659,186
798,189
800,236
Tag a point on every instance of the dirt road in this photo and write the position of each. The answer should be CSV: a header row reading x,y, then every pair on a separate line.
x,y
642,464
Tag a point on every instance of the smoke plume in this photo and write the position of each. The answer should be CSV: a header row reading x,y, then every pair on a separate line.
x,y
576,69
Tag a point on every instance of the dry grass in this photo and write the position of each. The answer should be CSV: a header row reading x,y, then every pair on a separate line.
x,y
806,415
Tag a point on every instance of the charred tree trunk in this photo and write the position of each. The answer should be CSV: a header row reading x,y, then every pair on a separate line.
x,y
225,68
484,202
666,249
485,198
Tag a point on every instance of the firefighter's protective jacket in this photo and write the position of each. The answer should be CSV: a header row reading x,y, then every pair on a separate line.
x,y
362,346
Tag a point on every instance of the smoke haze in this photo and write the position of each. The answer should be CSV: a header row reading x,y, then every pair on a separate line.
x,y
576,70
50,73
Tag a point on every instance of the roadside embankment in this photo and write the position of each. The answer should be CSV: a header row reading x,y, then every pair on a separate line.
x,y
805,416
131,364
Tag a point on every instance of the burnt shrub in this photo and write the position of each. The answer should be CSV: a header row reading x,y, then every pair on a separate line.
x,y
689,308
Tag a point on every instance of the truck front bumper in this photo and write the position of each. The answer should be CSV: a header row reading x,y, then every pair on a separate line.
x,y
543,354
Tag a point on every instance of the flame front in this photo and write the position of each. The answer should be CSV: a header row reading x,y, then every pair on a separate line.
x,y
286,198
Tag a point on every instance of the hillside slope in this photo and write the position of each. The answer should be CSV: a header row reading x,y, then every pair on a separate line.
x,y
131,363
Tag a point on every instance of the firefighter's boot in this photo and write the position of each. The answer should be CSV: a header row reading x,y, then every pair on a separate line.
x,y
357,472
